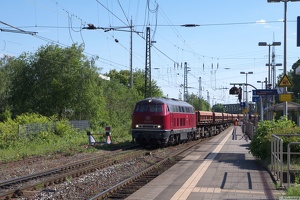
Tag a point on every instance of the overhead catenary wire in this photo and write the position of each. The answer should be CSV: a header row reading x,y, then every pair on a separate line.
x,y
184,49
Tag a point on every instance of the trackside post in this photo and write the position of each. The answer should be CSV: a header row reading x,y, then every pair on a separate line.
x,y
108,134
91,138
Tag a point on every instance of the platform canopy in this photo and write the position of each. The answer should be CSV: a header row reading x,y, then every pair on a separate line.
x,y
291,106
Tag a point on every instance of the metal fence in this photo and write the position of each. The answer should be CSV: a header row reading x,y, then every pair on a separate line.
x,y
289,166
80,124
278,159
31,130
248,128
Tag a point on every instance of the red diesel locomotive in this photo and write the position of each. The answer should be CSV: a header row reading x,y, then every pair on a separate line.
x,y
163,121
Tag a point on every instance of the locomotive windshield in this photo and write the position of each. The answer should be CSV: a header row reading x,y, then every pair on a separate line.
x,y
155,108
142,107
151,107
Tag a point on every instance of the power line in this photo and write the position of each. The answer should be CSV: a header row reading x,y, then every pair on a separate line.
x,y
16,29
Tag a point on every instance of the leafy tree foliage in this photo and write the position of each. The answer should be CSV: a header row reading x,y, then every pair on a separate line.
x,y
199,104
138,75
62,82
55,81
4,87
295,79
120,101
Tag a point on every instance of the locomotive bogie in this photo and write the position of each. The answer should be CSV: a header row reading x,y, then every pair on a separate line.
x,y
151,137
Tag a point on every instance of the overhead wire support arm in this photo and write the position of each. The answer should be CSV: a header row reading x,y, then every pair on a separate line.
x,y
18,30
120,28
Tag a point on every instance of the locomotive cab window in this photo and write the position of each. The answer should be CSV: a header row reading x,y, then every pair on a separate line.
x,y
155,108
142,107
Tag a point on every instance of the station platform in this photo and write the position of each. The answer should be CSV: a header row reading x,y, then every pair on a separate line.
x,y
221,168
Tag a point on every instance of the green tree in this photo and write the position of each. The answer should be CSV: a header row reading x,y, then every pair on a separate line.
x,y
138,75
295,79
120,101
56,81
199,104
5,61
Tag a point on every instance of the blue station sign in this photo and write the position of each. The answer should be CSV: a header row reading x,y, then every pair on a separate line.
x,y
255,98
264,92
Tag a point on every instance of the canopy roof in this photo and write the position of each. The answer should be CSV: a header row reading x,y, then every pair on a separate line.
x,y
291,106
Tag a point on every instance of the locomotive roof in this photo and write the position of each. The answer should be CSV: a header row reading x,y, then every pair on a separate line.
x,y
167,101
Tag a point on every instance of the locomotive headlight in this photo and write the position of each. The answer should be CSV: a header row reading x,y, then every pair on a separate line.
x,y
158,126
136,126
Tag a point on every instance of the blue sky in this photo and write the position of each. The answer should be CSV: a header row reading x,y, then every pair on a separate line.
x,y
225,43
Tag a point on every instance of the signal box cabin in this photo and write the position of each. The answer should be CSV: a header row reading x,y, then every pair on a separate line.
x,y
162,121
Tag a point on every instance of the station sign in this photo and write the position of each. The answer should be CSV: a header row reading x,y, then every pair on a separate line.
x,y
285,97
255,98
265,92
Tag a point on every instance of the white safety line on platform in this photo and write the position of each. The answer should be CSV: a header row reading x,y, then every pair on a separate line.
x,y
188,187
219,190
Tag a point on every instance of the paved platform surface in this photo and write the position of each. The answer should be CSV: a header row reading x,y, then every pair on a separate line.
x,y
221,168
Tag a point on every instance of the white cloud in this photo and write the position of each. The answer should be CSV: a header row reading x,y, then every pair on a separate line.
x,y
261,21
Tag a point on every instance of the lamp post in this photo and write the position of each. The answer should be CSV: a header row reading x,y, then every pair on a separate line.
x,y
262,84
246,91
261,99
274,73
285,108
269,62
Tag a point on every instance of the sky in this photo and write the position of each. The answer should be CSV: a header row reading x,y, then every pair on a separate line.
x,y
224,44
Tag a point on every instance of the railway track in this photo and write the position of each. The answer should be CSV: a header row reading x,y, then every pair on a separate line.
x,y
28,187
127,187
15,188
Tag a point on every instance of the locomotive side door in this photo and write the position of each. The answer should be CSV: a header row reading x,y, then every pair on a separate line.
x,y
171,118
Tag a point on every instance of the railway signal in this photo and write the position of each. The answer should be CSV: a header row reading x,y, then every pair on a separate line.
x,y
240,94
236,91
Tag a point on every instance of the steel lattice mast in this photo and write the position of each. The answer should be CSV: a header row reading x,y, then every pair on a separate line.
x,y
148,88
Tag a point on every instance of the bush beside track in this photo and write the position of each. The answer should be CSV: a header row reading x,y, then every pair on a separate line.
x,y
260,145
63,139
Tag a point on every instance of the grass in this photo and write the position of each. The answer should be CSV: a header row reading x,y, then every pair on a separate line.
x,y
66,145
294,189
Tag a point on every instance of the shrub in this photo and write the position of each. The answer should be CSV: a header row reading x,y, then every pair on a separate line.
x,y
63,128
5,115
260,146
